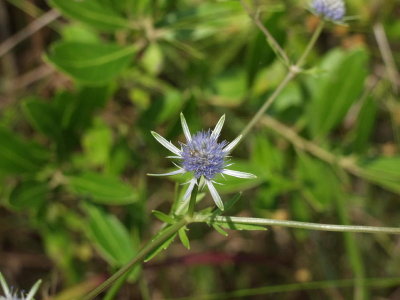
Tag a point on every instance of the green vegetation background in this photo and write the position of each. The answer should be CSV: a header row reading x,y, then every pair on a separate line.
x,y
78,101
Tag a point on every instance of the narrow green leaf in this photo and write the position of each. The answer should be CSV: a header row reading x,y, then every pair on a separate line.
x,y
219,229
163,217
43,117
18,156
110,236
77,109
93,13
337,89
29,194
227,205
102,189
163,246
365,125
90,63
384,171
184,238
319,185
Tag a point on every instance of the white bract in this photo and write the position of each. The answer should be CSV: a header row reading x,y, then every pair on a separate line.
x,y
9,294
202,156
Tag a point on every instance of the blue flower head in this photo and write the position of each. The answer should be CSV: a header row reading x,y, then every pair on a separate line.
x,y
202,156
9,294
333,10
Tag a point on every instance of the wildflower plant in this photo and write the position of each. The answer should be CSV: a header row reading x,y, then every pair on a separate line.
x,y
203,157
10,294
78,144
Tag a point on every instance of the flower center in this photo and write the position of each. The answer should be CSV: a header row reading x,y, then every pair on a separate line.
x,y
203,155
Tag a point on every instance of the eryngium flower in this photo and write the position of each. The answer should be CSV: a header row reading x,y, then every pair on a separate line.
x,y
333,10
202,156
9,294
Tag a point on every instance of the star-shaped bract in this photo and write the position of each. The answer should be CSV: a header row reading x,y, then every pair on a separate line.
x,y
202,156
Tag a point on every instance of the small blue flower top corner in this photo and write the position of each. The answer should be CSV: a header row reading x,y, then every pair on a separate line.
x,y
202,156
9,294
332,10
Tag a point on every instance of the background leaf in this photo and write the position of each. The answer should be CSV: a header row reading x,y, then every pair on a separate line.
x,y
92,12
335,90
385,171
43,117
18,156
102,188
90,63
29,194
110,236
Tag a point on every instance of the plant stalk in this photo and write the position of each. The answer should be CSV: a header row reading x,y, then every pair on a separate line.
x,y
192,203
295,224
157,241
292,73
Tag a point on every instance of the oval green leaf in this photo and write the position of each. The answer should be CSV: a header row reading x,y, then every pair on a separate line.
x,y
102,189
384,171
90,63
43,117
18,156
109,235
337,89
28,194
91,12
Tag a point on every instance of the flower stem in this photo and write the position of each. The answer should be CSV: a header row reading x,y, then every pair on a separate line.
x,y
268,102
296,224
149,247
293,71
192,202
310,44
270,39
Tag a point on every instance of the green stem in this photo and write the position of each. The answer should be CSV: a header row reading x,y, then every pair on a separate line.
x,y
192,202
295,224
149,247
293,71
354,253
295,287
310,45
113,291
270,39
289,76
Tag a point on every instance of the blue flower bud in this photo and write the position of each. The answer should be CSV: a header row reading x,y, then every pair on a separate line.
x,y
333,10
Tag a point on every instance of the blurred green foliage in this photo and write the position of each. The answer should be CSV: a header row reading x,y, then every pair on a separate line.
x,y
73,158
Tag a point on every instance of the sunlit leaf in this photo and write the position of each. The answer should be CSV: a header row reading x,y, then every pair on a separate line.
x,y
110,236
184,238
385,171
90,63
93,13
102,188
336,89
163,217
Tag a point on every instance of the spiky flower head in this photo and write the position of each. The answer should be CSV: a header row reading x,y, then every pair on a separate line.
x,y
203,157
9,294
333,10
